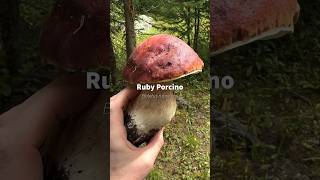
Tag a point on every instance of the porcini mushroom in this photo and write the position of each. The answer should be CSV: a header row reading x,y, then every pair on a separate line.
x,y
159,59
238,22
77,35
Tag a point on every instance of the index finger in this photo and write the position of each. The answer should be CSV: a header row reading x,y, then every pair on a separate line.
x,y
121,99
118,103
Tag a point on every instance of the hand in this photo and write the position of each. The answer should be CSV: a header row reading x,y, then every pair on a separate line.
x,y
126,160
24,128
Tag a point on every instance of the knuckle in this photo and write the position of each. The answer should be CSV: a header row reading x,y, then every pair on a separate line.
x,y
112,104
161,142
148,164
113,98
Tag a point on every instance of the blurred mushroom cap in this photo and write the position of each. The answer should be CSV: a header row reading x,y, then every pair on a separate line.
x,y
76,34
238,22
161,58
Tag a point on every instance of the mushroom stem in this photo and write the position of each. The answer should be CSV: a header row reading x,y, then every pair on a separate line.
x,y
148,113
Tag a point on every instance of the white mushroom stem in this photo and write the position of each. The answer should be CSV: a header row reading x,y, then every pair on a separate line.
x,y
80,149
148,113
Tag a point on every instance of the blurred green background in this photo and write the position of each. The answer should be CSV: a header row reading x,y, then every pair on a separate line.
x,y
21,69
267,126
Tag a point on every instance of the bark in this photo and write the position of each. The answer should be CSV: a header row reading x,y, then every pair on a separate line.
x,y
111,57
129,24
188,22
196,29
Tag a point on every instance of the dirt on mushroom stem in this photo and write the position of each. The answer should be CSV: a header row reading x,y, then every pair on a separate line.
x,y
148,113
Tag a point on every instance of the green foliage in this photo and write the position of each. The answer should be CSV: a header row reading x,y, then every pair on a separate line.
x,y
179,18
169,17
30,73
277,97
156,175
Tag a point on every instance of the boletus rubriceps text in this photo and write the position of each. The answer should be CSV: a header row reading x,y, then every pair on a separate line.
x,y
235,23
158,60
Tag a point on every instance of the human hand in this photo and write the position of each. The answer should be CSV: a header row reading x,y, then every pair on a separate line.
x,y
126,160
24,128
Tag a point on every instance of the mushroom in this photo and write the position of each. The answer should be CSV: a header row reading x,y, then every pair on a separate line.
x,y
77,35
238,22
157,61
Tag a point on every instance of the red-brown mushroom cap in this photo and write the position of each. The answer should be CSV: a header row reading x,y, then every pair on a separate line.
x,y
161,58
76,34
238,22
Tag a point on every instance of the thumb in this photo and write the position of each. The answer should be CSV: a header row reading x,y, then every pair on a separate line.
x,y
153,148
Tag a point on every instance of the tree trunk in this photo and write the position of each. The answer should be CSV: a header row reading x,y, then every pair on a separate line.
x,y
111,57
9,33
196,29
188,22
129,24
